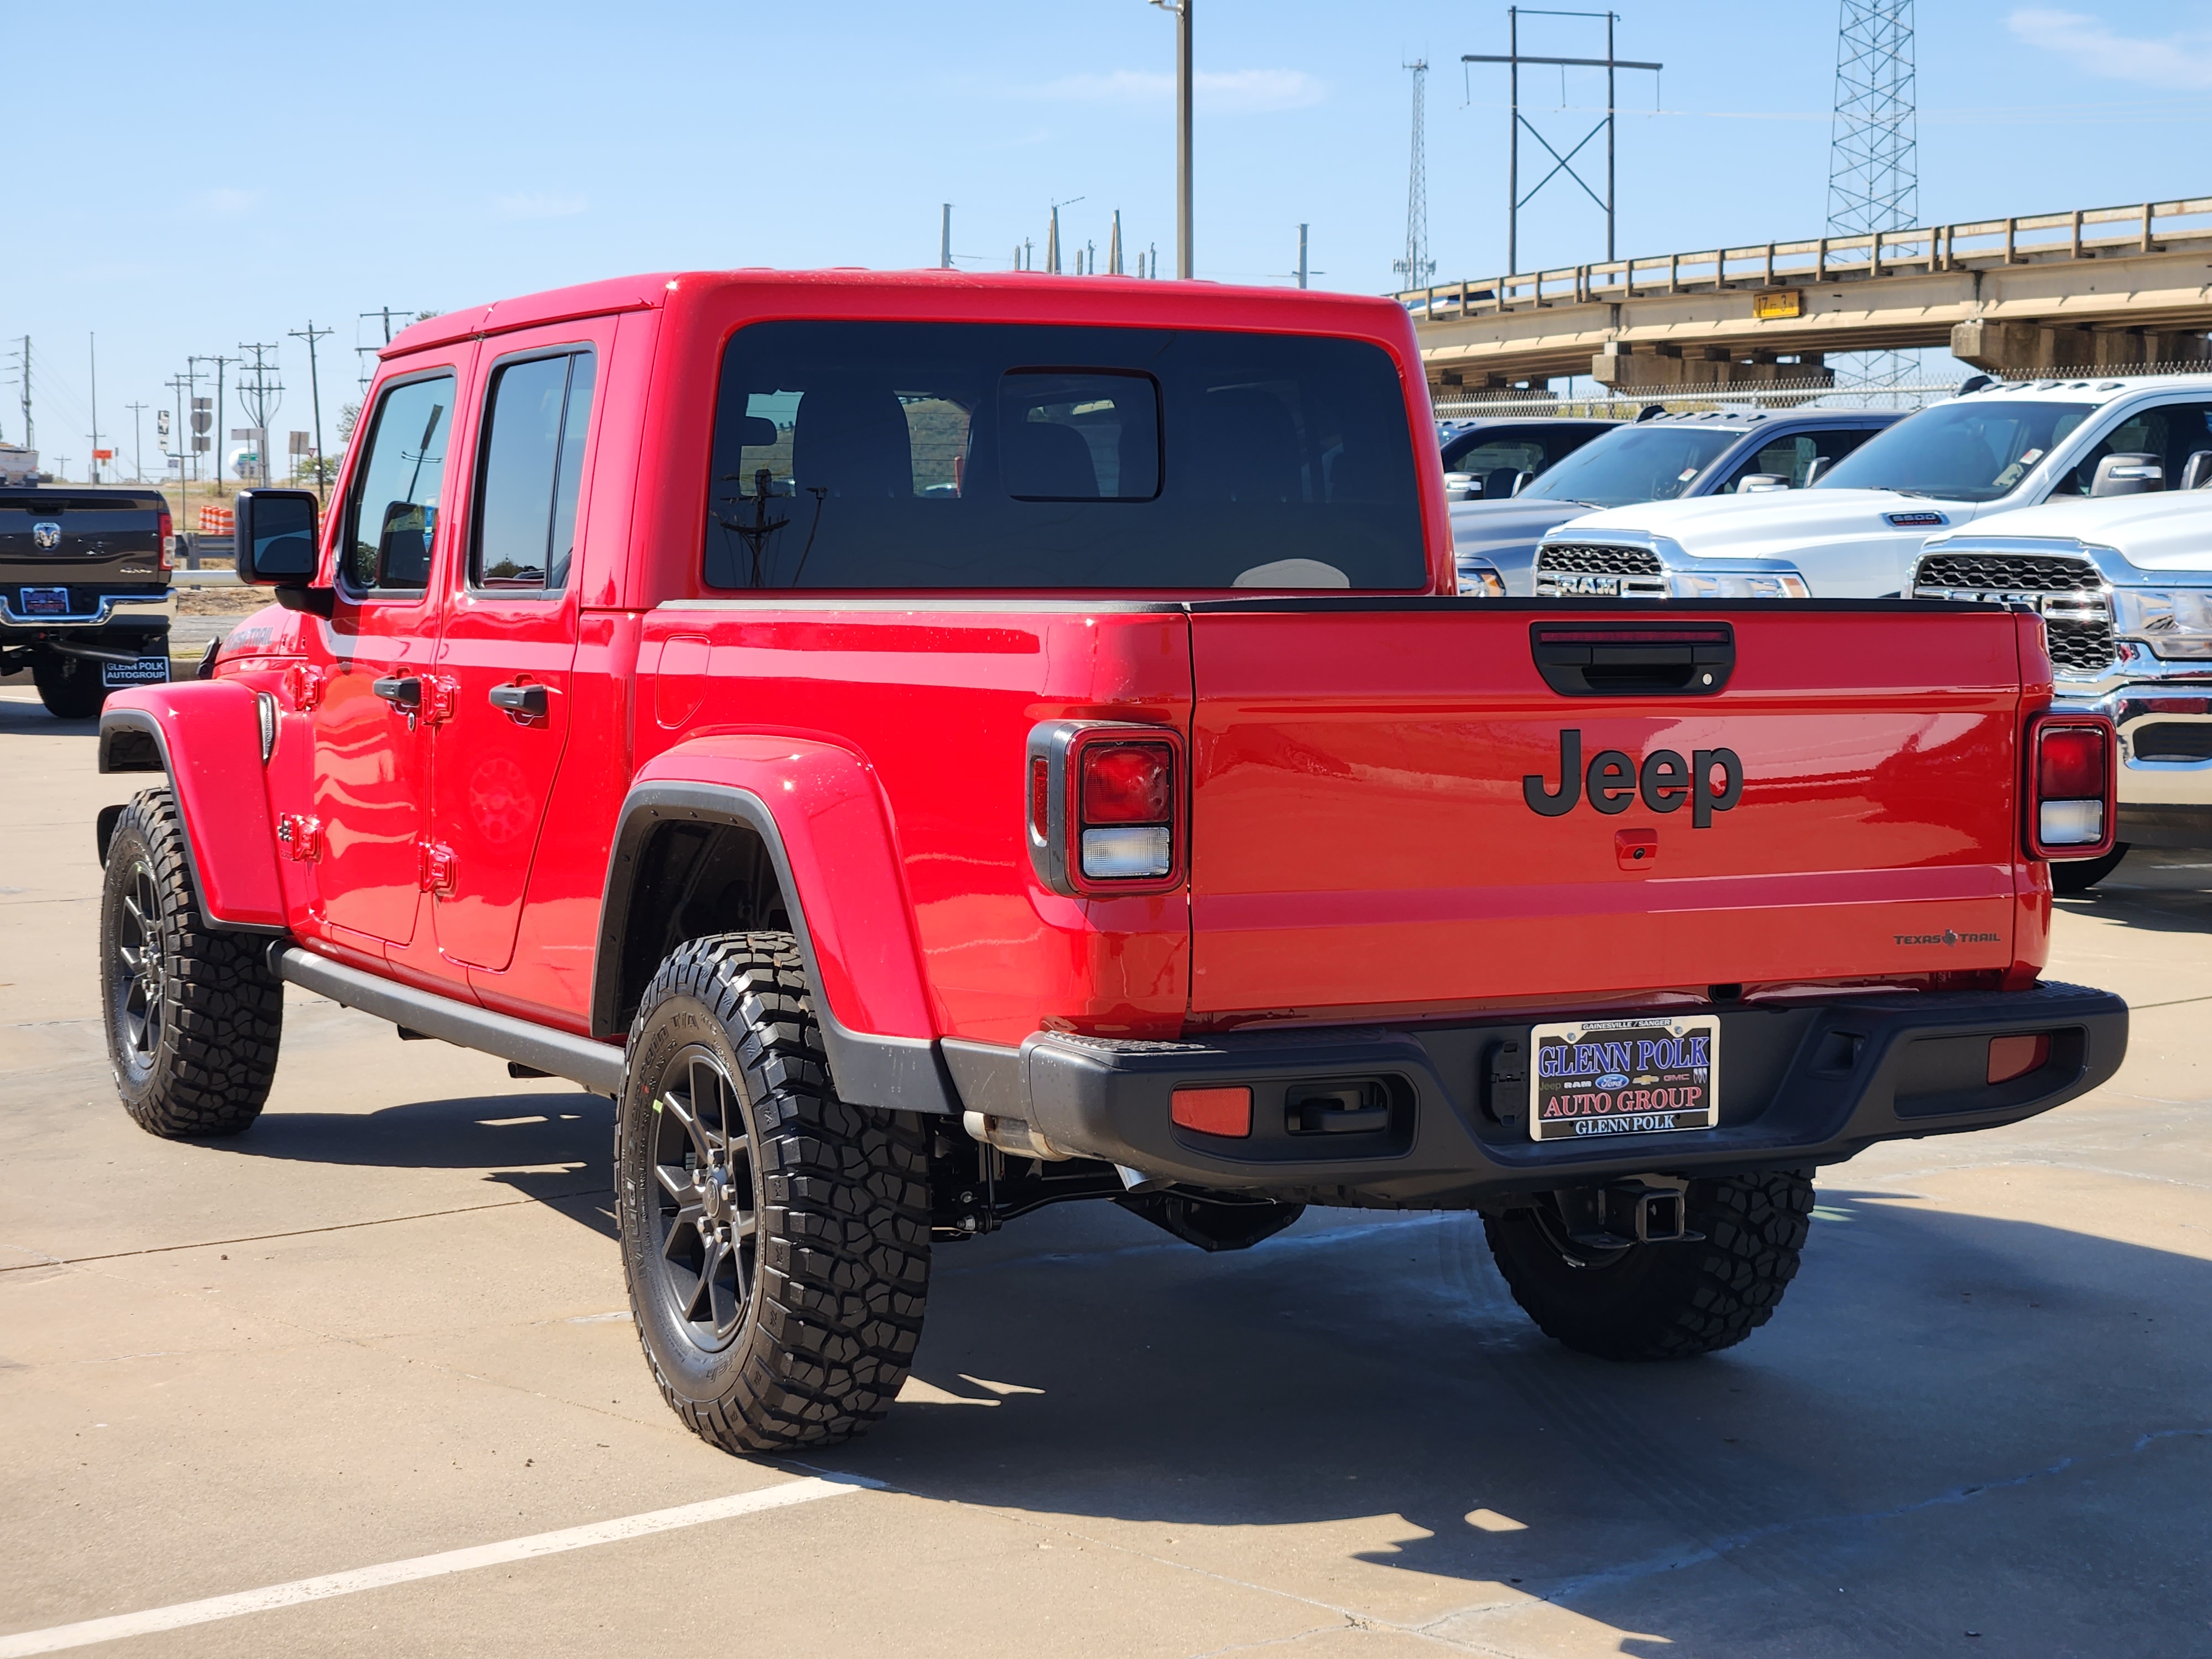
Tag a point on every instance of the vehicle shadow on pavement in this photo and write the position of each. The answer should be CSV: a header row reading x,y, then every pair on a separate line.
x,y
1954,1424
555,1148
24,714
2159,889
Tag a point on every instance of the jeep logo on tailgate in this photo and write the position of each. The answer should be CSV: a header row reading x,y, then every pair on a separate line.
x,y
1614,782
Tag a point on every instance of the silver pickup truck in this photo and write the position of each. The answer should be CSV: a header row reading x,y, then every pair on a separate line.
x,y
2124,588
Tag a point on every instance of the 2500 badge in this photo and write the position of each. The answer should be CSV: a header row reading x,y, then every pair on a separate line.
x,y
1614,782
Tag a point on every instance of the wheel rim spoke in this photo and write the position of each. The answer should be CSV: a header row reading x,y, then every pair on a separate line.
x,y
702,1204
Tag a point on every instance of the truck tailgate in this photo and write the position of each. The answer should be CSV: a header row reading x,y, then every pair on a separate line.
x,y
1362,834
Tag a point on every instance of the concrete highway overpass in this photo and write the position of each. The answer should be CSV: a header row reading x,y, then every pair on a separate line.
x,y
2096,288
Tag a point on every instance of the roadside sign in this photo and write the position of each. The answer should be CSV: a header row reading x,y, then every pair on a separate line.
x,y
161,429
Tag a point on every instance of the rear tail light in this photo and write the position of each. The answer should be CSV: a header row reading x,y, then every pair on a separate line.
x,y
2072,776
168,542
1106,812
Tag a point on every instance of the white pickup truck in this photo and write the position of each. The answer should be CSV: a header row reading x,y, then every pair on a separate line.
x,y
1855,532
2124,588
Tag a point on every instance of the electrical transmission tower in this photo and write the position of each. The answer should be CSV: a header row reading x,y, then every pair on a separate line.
x,y
1874,173
260,395
1417,267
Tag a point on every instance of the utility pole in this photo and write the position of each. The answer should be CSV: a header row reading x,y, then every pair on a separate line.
x,y
92,348
311,334
384,311
137,441
1113,247
262,398
30,431
191,444
945,241
1301,256
183,440
216,438
1515,201
1181,11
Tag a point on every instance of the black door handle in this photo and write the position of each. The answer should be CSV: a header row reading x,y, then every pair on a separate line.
x,y
400,690
531,702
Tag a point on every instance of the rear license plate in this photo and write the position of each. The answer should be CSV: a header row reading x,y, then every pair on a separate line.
x,y
146,671
1586,587
46,602
1641,1076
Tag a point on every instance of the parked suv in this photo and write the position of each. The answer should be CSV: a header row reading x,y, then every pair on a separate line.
x,y
2125,589
1660,456
932,746
1855,534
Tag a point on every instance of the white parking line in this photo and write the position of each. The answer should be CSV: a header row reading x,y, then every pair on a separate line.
x,y
59,1637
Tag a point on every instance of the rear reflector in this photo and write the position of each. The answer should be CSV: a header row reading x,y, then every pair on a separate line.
x,y
2016,1056
1040,797
1217,1111
1110,854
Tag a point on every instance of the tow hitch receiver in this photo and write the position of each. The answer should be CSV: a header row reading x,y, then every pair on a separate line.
x,y
1651,1209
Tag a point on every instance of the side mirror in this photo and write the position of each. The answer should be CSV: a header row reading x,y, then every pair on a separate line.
x,y
1462,487
276,538
1758,483
276,542
2128,475
1819,470
2197,470
1521,481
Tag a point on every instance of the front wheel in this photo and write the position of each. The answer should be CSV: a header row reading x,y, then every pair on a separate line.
x,y
1662,1301
194,1016
776,1238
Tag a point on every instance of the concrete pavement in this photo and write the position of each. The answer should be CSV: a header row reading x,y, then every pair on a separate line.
x,y
389,1321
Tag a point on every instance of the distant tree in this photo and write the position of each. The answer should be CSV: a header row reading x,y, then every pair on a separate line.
x,y
347,416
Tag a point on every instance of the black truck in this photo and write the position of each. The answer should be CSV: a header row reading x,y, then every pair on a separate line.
x,y
84,592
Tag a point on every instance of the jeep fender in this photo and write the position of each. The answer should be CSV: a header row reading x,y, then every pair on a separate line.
x,y
206,735
818,812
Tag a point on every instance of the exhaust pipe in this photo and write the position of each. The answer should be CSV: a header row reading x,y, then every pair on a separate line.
x,y
1012,1135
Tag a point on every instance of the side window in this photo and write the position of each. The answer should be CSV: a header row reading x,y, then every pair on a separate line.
x,y
2172,431
1792,457
391,520
536,416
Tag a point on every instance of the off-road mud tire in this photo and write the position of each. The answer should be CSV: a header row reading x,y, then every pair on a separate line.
x,y
1664,1301
839,1218
2070,877
71,687
218,1011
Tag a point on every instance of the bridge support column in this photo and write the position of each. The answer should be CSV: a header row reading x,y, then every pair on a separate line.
x,y
2024,347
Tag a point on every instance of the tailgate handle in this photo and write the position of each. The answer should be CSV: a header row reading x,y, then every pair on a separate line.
x,y
1633,659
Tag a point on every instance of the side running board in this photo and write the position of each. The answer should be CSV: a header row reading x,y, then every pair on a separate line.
x,y
596,1066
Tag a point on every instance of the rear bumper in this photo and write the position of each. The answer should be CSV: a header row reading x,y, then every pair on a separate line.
x,y
1808,1083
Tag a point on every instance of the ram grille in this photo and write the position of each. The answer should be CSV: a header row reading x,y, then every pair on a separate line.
x,y
1580,559
2077,606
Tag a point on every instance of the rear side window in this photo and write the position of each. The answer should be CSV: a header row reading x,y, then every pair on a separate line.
x,y
894,455
536,417
391,520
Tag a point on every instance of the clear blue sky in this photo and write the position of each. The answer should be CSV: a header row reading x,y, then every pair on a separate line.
x,y
181,182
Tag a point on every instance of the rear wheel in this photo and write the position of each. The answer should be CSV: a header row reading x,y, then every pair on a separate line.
x,y
1662,1301
2070,875
194,1016
776,1238
71,687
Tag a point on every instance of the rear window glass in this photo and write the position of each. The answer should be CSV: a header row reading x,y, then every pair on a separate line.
x,y
901,455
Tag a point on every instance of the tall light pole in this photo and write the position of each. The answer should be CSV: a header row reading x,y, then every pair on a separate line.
x,y
1181,11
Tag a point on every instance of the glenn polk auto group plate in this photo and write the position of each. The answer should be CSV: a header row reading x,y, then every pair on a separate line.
x,y
1640,1076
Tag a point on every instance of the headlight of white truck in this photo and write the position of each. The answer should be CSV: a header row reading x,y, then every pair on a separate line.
x,y
2174,622
1742,585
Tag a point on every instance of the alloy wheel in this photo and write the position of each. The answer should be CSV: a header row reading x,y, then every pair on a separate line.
x,y
141,981
704,1210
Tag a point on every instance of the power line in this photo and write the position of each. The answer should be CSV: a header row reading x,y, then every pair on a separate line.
x,y
311,334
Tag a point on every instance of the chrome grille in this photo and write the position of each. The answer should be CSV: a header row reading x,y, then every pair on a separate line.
x,y
2080,649
2068,591
1995,574
1580,559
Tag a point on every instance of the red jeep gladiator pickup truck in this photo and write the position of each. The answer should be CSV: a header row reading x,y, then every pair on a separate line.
x,y
930,746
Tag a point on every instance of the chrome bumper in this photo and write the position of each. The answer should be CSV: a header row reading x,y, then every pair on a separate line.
x,y
146,607
2144,689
